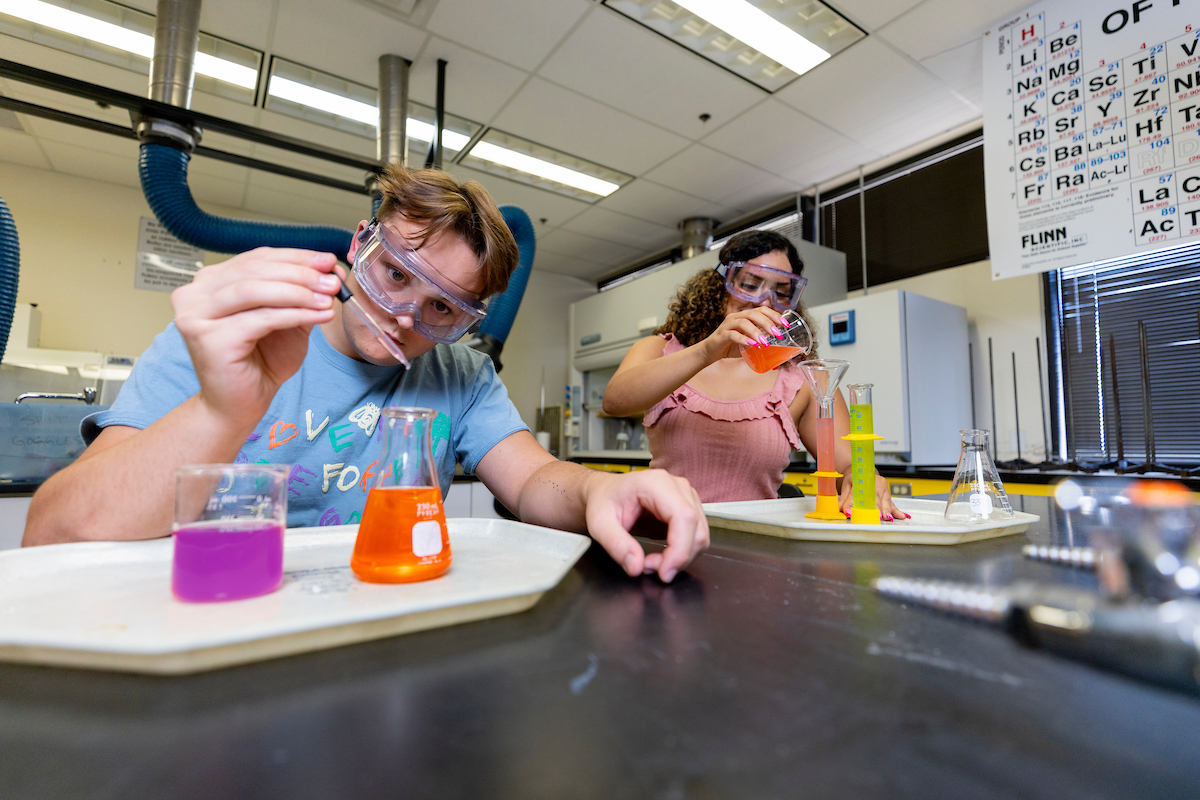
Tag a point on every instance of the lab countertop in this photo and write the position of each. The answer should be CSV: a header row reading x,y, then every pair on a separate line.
x,y
768,670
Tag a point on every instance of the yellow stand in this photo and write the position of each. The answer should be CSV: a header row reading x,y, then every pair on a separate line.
x,y
827,505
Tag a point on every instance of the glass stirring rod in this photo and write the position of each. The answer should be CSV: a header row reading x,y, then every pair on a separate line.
x,y
388,343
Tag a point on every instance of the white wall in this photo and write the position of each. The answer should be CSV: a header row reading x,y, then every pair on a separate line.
x,y
539,338
1010,312
78,249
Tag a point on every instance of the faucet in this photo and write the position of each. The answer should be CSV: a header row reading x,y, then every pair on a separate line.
x,y
88,396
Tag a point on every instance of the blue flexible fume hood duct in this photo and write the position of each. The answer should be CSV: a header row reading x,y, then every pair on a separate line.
x,y
502,310
10,269
163,171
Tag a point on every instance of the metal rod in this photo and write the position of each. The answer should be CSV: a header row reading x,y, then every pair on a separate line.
x,y
992,387
34,110
1017,408
1066,362
1147,411
1037,346
862,228
142,106
434,158
1116,393
817,203
971,375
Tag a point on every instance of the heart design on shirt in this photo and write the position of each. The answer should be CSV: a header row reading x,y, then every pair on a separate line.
x,y
281,427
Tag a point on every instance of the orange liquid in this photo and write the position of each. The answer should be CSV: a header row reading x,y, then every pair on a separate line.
x,y
765,359
384,551
825,456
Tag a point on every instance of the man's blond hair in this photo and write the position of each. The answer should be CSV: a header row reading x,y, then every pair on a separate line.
x,y
438,204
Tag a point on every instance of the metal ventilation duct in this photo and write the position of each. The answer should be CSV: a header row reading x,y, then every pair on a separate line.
x,y
697,235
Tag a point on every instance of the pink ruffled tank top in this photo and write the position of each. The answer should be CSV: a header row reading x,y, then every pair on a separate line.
x,y
727,449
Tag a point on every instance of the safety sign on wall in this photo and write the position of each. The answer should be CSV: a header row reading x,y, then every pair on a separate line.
x,y
1091,131
163,262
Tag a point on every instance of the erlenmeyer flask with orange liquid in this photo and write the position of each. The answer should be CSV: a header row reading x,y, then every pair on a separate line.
x,y
795,340
402,537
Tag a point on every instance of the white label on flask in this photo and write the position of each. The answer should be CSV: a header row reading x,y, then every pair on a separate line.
x,y
981,504
427,538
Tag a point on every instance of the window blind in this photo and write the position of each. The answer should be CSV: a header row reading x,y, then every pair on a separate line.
x,y
1094,312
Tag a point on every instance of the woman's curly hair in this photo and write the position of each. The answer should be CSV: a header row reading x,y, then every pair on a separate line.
x,y
699,306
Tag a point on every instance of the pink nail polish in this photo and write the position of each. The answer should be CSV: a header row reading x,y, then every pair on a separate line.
x,y
776,332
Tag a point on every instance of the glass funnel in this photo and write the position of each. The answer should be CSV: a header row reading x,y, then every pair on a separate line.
x,y
795,339
977,494
823,376
403,536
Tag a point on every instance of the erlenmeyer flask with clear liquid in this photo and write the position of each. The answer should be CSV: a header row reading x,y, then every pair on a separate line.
x,y
977,494
823,376
402,536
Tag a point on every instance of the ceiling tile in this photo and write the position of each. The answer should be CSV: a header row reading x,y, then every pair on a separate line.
x,y
638,233
786,142
476,86
537,203
703,172
876,96
872,14
248,24
577,245
346,41
569,265
88,163
656,203
320,134
21,148
615,60
49,131
521,32
556,117
962,70
936,26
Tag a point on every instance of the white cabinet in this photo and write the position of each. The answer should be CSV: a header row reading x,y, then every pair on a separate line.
x,y
914,350
469,499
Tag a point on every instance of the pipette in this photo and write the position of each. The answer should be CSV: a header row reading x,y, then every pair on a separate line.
x,y
388,342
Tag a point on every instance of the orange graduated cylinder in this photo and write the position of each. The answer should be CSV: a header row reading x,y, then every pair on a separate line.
x,y
396,518
825,456
765,359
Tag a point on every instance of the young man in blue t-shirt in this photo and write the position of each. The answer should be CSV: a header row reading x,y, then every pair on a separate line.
x,y
262,365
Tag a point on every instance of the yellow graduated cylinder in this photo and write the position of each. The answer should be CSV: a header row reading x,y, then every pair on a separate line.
x,y
862,464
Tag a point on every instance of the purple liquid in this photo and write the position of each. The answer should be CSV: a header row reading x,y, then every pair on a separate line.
x,y
230,560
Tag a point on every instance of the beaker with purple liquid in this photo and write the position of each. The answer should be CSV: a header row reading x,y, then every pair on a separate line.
x,y
229,522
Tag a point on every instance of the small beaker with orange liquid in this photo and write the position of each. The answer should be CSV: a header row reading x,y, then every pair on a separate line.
x,y
402,537
796,340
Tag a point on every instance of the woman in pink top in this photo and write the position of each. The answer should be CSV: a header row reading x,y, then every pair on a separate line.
x,y
709,417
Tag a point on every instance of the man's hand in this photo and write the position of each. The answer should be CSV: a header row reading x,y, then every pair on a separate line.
x,y
246,322
614,503
883,499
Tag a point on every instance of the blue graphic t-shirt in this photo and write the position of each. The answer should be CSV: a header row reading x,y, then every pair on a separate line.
x,y
323,419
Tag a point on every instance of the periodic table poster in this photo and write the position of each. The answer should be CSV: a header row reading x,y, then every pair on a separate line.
x,y
1091,131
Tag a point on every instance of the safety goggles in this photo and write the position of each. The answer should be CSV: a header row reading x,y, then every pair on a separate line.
x,y
400,282
754,284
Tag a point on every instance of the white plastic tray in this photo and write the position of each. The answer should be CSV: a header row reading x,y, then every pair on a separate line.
x,y
785,518
108,605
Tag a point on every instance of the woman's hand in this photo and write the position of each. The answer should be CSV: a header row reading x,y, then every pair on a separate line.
x,y
741,328
883,499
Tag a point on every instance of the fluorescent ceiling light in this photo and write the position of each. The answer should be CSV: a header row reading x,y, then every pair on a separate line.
x,y
542,169
106,33
423,131
759,30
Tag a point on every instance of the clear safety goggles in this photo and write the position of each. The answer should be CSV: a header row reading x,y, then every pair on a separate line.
x,y
754,284
400,282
